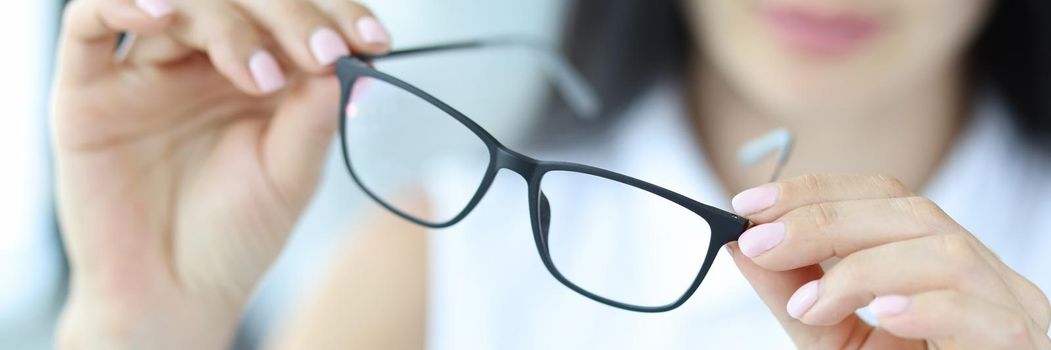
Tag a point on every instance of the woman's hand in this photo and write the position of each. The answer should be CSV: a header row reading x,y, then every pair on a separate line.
x,y
920,273
182,168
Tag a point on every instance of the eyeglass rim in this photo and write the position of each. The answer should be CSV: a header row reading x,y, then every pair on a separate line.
x,y
725,227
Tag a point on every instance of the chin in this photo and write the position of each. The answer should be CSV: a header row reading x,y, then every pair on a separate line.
x,y
805,94
810,101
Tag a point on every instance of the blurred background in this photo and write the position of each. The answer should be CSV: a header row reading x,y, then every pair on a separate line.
x,y
33,272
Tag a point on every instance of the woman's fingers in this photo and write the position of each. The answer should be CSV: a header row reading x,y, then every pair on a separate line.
x,y
236,34
315,34
814,233
304,32
365,32
234,44
776,289
930,263
891,242
90,29
768,202
946,315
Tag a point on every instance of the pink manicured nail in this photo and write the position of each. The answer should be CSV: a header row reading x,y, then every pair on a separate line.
x,y
759,239
372,31
327,46
754,200
266,71
889,305
155,8
803,299
361,88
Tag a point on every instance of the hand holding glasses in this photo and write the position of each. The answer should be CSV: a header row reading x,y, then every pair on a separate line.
x,y
391,127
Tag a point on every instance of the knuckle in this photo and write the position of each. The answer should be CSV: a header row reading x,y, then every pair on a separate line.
x,y
956,248
232,29
74,12
944,300
823,216
958,254
924,211
926,207
954,299
816,226
1039,303
300,11
891,186
353,7
1016,330
813,183
1031,298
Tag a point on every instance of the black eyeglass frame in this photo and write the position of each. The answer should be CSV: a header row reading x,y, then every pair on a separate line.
x,y
725,227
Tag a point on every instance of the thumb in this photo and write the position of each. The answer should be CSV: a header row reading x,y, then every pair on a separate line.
x,y
299,136
777,288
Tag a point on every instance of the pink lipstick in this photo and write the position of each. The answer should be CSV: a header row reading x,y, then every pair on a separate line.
x,y
817,33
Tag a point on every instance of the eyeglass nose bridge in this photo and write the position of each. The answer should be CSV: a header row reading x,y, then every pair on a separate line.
x,y
516,162
527,168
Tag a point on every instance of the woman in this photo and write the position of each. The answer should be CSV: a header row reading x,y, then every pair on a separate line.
x,y
182,168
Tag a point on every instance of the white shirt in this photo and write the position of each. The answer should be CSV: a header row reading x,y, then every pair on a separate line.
x,y
489,289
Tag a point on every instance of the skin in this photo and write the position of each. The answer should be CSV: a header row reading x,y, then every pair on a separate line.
x,y
179,180
890,242
903,91
904,86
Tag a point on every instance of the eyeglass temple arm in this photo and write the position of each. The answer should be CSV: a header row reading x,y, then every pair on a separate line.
x,y
571,85
779,140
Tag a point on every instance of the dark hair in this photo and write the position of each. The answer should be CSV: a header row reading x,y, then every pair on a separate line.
x,y
621,46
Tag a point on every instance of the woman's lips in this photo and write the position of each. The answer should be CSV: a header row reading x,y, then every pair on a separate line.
x,y
819,34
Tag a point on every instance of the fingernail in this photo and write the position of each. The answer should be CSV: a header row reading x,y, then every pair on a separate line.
x,y
327,46
754,200
360,88
372,31
266,71
889,305
803,299
759,239
155,8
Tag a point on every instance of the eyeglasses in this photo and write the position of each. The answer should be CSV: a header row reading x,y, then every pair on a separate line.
x,y
396,137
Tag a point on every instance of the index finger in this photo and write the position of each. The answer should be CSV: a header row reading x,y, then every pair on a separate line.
x,y
90,29
768,202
